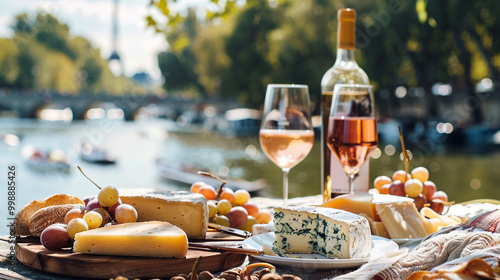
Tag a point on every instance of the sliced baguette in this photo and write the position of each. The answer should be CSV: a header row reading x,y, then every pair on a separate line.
x,y
49,215
23,217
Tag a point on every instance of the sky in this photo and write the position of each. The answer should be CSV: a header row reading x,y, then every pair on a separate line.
x,y
137,45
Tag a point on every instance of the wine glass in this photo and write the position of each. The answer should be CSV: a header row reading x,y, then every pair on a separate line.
x,y
352,127
286,133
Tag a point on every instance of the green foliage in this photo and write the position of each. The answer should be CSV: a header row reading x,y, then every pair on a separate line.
x,y
413,43
249,71
42,55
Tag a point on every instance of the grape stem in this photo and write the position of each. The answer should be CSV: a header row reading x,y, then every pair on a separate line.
x,y
219,191
406,158
88,177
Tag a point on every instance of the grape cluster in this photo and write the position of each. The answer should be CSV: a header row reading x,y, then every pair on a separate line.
x,y
98,211
232,208
416,185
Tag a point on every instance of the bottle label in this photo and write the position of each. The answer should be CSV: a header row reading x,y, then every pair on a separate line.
x,y
340,181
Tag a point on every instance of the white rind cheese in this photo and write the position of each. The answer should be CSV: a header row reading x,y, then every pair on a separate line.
x,y
330,232
188,211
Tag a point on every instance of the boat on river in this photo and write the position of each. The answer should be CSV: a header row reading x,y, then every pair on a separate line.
x,y
93,154
54,160
189,176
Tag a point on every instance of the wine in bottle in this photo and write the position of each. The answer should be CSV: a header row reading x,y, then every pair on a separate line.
x,y
345,70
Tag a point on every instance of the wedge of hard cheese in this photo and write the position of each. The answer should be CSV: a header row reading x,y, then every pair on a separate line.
x,y
401,217
330,232
142,239
188,211
358,203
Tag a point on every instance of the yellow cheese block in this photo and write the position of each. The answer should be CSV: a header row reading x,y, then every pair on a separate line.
x,y
188,211
146,239
358,203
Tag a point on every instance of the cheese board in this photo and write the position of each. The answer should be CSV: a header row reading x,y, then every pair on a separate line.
x,y
30,252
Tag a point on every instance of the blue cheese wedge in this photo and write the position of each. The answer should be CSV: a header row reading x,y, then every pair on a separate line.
x,y
330,232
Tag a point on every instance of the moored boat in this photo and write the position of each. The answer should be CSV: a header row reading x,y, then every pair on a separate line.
x,y
189,176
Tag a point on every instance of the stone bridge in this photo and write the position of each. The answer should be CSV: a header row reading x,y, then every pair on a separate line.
x,y
27,105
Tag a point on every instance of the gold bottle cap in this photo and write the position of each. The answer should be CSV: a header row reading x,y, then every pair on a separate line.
x,y
346,30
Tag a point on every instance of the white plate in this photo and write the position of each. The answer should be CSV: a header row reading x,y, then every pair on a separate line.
x,y
401,241
380,246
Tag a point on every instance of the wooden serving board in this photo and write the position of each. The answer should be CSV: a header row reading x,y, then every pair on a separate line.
x,y
30,252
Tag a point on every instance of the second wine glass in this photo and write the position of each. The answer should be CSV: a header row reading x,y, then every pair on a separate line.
x,y
286,134
352,127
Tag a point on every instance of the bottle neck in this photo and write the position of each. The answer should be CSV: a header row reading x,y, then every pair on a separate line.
x,y
345,56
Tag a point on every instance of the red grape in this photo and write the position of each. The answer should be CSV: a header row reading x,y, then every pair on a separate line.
x,y
54,237
112,209
125,213
88,198
196,186
437,206
237,216
228,194
440,195
429,190
419,201
380,181
74,213
263,217
252,209
397,188
93,204
400,175
385,189
207,191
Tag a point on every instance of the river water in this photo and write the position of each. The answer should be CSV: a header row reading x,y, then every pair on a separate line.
x,y
138,145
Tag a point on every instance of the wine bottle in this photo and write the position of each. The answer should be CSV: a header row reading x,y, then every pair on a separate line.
x,y
345,70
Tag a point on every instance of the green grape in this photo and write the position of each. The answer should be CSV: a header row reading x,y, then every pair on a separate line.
x,y
93,219
104,214
75,226
248,225
221,220
125,213
421,173
413,187
241,197
212,209
223,206
108,196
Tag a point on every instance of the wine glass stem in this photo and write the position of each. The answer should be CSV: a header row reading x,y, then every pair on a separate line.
x,y
351,182
285,186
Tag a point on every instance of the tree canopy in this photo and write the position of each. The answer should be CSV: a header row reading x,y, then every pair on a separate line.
x,y
42,55
235,50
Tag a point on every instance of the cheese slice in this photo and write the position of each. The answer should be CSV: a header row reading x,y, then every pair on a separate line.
x,y
146,239
330,232
357,203
401,217
188,211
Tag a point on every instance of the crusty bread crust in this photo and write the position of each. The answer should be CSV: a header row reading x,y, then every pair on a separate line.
x,y
23,217
49,215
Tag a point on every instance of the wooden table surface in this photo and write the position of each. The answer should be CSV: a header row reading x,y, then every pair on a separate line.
x,y
13,269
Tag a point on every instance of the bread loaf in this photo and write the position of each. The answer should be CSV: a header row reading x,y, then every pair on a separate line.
x,y
23,217
48,216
